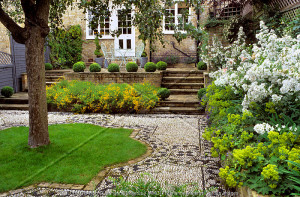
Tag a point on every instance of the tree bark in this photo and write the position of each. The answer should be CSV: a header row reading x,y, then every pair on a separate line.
x,y
38,115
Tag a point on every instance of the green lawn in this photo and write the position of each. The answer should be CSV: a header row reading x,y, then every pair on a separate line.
x,y
76,154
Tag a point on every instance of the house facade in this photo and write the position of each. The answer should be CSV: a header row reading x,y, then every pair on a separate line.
x,y
128,43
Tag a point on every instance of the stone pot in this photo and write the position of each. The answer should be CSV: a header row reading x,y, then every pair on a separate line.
x,y
100,61
106,63
143,61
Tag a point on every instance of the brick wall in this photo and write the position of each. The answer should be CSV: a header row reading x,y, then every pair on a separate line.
x,y
107,78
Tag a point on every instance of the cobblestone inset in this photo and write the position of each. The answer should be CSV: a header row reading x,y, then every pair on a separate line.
x,y
179,153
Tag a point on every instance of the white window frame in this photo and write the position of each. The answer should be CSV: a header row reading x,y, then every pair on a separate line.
x,y
176,19
112,18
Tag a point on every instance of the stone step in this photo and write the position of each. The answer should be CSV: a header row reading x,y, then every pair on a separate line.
x,y
183,73
56,72
13,100
49,83
183,91
53,78
181,65
14,107
183,85
193,104
177,110
183,80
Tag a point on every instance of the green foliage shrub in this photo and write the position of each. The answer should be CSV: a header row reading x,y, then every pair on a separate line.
x,y
95,67
144,54
66,46
131,67
87,97
201,65
150,67
113,68
48,66
97,51
201,93
163,93
7,91
79,67
258,161
172,59
161,65
148,186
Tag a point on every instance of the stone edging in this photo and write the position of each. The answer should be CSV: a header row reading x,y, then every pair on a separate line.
x,y
96,180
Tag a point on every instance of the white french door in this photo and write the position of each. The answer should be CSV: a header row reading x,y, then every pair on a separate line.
x,y
125,43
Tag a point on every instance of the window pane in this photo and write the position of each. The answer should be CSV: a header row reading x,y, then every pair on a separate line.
x,y
129,44
121,44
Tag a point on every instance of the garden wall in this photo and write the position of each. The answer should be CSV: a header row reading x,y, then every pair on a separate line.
x,y
107,78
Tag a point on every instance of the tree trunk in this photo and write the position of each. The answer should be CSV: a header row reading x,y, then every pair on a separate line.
x,y
38,115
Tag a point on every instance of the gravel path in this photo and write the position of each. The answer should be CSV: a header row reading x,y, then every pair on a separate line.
x,y
179,156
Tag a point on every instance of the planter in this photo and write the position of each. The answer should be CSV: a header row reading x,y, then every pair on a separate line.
x,y
105,63
100,61
246,192
143,61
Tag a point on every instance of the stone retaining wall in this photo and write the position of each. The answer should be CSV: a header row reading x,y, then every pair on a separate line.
x,y
107,78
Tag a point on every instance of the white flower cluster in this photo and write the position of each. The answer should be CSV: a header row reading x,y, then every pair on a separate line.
x,y
271,71
263,128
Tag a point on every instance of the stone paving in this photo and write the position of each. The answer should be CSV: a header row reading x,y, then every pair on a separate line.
x,y
179,156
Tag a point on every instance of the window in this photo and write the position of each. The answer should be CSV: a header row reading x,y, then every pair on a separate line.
x,y
177,16
103,28
125,25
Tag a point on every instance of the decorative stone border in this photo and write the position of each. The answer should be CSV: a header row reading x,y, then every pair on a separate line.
x,y
181,160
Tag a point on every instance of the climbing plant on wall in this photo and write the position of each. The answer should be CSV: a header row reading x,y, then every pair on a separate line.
x,y
66,46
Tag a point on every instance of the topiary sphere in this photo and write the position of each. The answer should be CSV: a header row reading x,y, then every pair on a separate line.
x,y
161,65
95,67
48,66
163,93
7,91
79,67
201,93
150,67
131,67
113,68
201,65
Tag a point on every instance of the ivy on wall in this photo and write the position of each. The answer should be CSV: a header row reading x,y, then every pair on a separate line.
x,y
66,46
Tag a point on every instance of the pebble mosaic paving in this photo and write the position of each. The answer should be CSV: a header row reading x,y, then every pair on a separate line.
x,y
179,156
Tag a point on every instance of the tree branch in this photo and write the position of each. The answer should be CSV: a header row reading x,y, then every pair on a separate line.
x,y
18,33
42,14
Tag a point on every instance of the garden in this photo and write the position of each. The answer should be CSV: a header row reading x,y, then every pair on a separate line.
x,y
253,106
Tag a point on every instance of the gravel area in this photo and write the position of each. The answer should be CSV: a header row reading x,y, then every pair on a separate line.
x,y
179,156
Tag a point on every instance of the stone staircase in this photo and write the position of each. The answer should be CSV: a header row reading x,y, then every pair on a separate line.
x,y
183,81
53,76
19,101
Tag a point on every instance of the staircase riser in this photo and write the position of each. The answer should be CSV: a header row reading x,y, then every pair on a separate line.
x,y
185,80
183,93
183,75
178,112
13,101
53,79
179,105
183,86
13,108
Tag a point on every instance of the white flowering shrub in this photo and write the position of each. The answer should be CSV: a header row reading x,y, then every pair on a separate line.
x,y
270,72
263,128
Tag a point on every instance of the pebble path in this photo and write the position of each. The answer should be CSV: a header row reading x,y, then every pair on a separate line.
x,y
180,155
